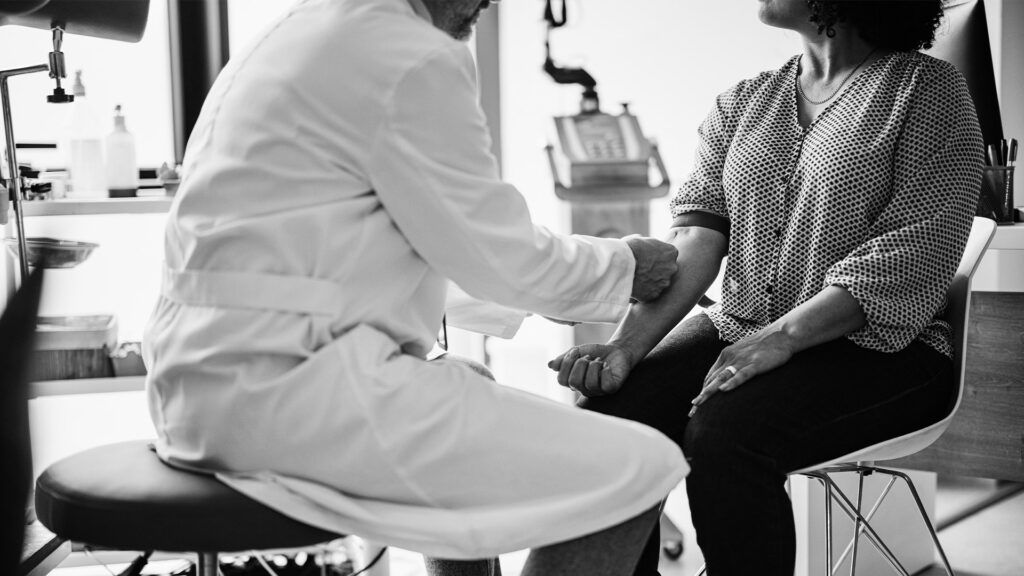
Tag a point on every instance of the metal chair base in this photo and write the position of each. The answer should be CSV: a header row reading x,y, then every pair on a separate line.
x,y
862,522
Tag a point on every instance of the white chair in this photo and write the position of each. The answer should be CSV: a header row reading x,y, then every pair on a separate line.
x,y
862,462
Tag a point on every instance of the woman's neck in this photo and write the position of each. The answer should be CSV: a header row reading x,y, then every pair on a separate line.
x,y
827,59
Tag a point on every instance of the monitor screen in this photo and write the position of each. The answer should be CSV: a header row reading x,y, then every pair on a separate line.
x,y
962,39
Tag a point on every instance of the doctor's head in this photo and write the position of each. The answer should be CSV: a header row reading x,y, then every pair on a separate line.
x,y
887,24
456,17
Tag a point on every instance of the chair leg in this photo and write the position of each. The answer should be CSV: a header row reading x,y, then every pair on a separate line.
x,y
867,518
827,488
850,510
207,564
857,522
924,516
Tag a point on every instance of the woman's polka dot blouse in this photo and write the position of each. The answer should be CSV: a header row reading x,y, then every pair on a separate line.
x,y
876,196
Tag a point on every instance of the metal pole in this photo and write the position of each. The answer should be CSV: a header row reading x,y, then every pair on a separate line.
x,y
924,516
850,510
12,160
208,564
867,518
828,527
856,524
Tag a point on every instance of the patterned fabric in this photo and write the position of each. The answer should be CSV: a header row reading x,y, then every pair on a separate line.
x,y
876,195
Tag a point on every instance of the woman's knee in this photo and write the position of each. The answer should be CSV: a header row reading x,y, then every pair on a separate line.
x,y
713,438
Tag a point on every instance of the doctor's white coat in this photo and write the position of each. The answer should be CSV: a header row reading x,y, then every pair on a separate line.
x,y
338,177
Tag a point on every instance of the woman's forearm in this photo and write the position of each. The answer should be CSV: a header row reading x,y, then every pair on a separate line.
x,y
700,255
830,314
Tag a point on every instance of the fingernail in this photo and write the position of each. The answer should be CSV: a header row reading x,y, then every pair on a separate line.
x,y
692,412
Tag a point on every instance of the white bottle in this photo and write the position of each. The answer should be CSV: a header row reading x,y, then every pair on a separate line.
x,y
122,167
85,147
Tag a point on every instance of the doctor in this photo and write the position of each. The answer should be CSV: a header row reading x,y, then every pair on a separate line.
x,y
337,178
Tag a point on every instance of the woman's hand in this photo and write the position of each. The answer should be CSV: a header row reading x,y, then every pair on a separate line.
x,y
738,363
593,369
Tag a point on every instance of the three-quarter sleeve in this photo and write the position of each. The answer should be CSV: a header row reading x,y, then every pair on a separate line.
x,y
703,189
900,274
431,167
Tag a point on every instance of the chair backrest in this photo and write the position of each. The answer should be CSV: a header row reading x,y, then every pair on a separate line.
x,y
958,307
958,298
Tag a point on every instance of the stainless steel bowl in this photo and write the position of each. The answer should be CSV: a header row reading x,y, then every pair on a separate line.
x,y
53,253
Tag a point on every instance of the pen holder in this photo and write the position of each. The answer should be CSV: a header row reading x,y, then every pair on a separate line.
x,y
996,200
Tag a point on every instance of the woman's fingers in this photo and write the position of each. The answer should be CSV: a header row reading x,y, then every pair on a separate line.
x,y
608,383
738,379
556,362
718,378
592,382
578,374
568,361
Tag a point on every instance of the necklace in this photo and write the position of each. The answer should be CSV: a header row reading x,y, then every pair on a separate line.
x,y
800,88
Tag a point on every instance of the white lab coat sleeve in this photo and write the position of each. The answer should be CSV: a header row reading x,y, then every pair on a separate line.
x,y
468,313
431,166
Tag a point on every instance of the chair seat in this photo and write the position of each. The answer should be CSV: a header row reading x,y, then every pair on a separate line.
x,y
123,496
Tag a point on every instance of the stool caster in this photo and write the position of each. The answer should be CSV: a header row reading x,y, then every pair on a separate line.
x,y
672,548
671,538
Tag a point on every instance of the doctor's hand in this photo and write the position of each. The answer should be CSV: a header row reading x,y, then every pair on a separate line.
x,y
738,363
655,266
593,369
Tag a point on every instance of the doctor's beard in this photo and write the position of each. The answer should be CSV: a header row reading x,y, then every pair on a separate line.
x,y
456,17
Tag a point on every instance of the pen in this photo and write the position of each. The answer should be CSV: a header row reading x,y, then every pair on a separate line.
x,y
1012,158
1002,152
993,155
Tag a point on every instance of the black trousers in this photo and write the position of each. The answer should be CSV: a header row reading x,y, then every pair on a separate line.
x,y
825,402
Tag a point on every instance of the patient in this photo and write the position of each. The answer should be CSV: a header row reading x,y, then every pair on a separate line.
x,y
842,187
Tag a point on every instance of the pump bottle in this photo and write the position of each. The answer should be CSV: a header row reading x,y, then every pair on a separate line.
x,y
85,146
122,167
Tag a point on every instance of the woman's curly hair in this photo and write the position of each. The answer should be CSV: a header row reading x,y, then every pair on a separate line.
x,y
900,25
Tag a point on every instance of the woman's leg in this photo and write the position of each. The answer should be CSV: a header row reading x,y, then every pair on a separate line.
x,y
827,401
658,393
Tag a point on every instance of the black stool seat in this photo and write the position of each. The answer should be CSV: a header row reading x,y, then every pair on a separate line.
x,y
123,496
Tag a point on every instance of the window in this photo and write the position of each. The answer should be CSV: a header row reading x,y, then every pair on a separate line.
x,y
137,76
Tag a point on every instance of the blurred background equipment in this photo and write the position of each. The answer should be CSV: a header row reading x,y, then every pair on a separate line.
x,y
607,160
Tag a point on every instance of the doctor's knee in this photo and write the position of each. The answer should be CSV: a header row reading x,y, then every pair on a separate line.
x,y
473,365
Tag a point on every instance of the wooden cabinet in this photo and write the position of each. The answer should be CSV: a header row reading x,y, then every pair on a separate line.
x,y
986,438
